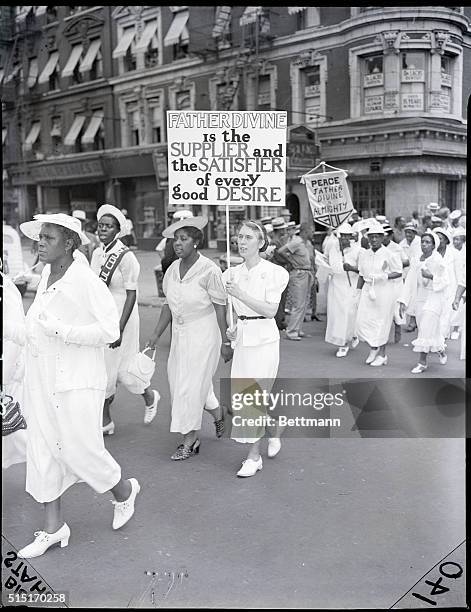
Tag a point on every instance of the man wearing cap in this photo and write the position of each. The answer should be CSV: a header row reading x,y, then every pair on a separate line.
x,y
435,222
87,249
433,208
279,239
301,278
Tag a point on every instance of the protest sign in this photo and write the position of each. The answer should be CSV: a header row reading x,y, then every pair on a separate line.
x,y
328,195
227,157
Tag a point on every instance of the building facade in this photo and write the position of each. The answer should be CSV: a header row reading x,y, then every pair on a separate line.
x,y
379,91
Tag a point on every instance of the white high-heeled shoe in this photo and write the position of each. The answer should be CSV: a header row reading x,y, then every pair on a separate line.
x,y
108,429
274,446
43,541
372,356
379,361
124,510
151,410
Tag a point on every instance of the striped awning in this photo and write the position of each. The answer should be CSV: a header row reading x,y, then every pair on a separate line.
x,y
177,29
250,15
75,128
73,60
49,67
223,16
146,36
93,126
292,10
32,136
33,72
90,55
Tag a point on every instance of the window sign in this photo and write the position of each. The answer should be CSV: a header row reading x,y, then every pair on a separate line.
x,y
391,101
373,104
374,79
446,79
412,75
312,90
412,101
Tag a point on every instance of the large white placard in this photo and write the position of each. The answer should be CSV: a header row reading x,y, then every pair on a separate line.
x,y
227,157
329,197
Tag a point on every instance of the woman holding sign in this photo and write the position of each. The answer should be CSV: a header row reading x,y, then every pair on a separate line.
x,y
195,305
256,287
119,269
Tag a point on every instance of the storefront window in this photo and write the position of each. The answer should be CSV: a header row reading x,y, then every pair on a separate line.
x,y
369,197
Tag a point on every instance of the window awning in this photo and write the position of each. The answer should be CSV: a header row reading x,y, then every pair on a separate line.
x,y
73,60
13,73
74,130
177,29
4,135
223,16
32,136
292,10
147,34
1,74
250,15
33,72
124,43
93,127
49,67
40,10
23,12
90,55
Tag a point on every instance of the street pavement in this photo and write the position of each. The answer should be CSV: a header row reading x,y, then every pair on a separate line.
x,y
329,523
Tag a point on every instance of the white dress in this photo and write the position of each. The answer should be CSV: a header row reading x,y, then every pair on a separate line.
x,y
196,340
14,340
448,313
341,307
430,302
124,278
378,298
459,262
65,385
257,346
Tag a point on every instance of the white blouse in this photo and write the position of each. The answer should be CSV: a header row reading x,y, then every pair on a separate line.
x,y
265,282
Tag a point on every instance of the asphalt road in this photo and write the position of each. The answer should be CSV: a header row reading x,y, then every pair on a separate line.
x,y
330,523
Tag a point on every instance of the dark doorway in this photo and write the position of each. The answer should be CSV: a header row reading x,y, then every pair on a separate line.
x,y
292,204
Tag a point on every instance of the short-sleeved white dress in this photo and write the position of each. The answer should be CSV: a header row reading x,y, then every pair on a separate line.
x,y
257,346
196,340
124,278
65,385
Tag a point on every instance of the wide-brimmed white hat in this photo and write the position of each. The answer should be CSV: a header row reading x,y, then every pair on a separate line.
x,y
455,214
435,237
109,209
442,230
31,229
198,222
433,206
182,214
360,225
375,227
411,226
345,228
459,231
279,223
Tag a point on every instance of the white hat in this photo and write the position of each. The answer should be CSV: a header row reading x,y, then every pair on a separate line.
x,y
31,229
279,223
360,225
109,209
375,228
436,219
345,228
459,231
442,230
381,219
433,206
268,227
387,228
455,214
198,222
79,214
410,226
436,239
182,214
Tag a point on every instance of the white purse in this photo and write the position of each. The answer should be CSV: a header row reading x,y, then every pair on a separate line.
x,y
142,367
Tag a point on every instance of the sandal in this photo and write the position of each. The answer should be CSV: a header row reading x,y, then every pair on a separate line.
x,y
185,452
419,368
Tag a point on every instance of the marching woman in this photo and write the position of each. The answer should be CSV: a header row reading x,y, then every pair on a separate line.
x,y
447,251
72,318
459,251
195,306
412,250
341,292
256,287
118,268
377,267
460,291
13,371
427,282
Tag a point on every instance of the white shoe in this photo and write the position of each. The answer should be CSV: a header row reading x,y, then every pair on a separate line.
x,y
372,356
123,511
354,342
379,361
151,410
45,540
419,368
342,351
442,358
274,446
250,467
108,430
455,335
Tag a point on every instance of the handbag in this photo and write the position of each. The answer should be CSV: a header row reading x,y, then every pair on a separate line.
x,y
142,367
12,419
